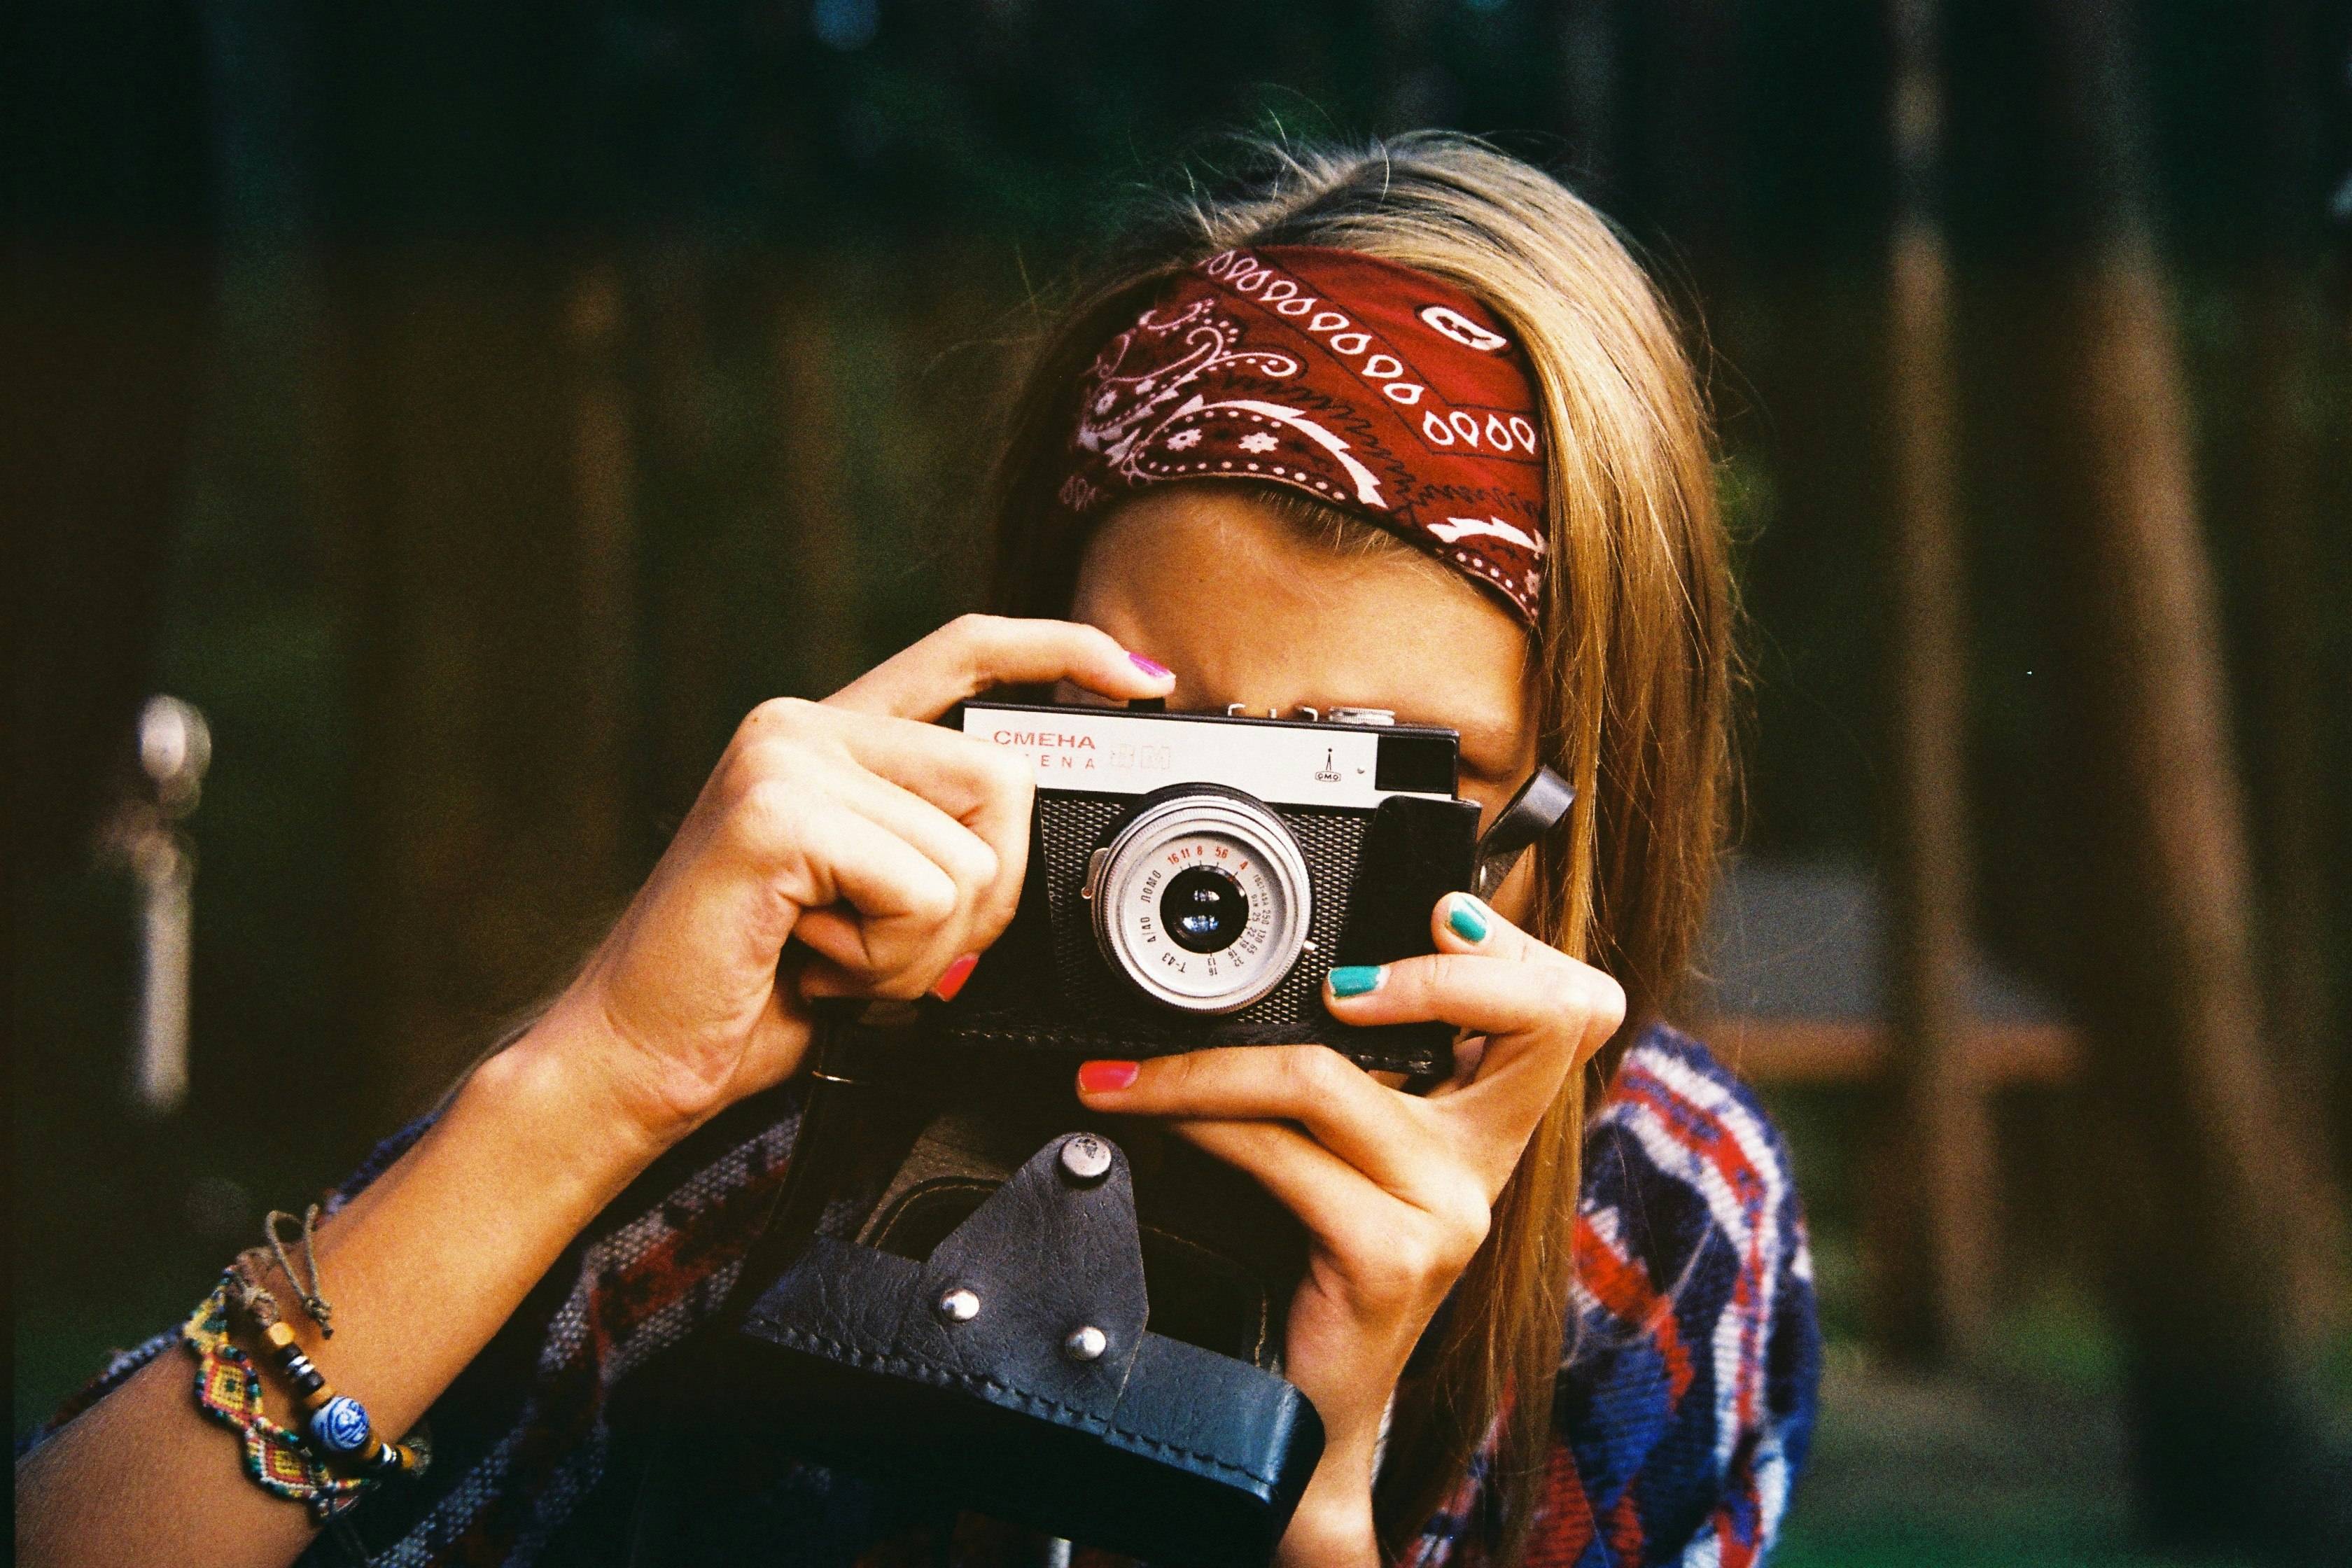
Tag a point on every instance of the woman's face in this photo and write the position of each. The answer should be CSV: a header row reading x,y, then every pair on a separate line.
x,y
1220,588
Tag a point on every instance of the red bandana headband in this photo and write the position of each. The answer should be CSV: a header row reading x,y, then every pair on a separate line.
x,y
1376,388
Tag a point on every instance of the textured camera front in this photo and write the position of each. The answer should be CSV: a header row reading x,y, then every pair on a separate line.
x,y
1071,828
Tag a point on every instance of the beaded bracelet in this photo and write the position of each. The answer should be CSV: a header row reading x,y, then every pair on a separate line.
x,y
339,1423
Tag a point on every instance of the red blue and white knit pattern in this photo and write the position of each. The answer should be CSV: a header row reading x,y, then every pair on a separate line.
x,y
1686,1398
1684,1406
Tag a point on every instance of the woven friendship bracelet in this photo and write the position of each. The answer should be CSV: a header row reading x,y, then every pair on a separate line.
x,y
228,1390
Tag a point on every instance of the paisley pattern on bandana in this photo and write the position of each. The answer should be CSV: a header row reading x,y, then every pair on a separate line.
x,y
1376,388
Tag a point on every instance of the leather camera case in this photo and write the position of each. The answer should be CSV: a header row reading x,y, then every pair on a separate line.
x,y
1177,1446
1151,1446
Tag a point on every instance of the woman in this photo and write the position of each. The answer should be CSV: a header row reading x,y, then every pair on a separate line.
x,y
1404,429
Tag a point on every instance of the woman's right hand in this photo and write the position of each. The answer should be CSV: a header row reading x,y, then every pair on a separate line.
x,y
889,846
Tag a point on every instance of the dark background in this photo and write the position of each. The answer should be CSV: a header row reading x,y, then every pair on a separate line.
x,y
475,410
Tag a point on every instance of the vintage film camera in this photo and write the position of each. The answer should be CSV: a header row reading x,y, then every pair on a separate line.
x,y
1193,878
975,1288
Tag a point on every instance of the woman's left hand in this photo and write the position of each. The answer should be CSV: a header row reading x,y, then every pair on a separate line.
x,y
1395,1190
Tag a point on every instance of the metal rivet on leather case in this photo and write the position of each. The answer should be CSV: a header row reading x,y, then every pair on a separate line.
x,y
1086,1344
959,1306
1085,1157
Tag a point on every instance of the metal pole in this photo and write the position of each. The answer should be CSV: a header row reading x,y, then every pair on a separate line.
x,y
174,749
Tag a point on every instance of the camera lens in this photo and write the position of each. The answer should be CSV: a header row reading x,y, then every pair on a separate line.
x,y
1201,901
1203,910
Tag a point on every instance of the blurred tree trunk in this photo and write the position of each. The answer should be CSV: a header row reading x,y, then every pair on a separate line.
x,y
1935,1247
480,470
107,289
483,476
963,364
681,609
2291,795
604,479
101,351
2216,1201
816,483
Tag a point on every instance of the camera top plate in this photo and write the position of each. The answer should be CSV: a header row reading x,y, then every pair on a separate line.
x,y
1320,764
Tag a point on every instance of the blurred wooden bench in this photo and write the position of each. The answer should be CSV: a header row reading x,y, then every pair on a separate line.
x,y
1793,988
1822,1051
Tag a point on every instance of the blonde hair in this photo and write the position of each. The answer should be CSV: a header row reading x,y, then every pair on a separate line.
x,y
1631,668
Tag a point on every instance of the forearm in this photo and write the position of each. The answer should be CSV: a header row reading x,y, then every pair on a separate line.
x,y
422,1268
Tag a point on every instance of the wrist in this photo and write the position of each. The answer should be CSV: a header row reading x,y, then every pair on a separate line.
x,y
1331,1531
554,1103
1333,1525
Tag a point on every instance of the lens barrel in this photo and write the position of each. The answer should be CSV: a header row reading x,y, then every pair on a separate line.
x,y
1204,901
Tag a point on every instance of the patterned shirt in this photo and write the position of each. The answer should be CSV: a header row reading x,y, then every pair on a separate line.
x,y
1683,1405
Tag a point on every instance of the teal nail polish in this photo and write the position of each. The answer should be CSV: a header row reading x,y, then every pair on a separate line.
x,y
1466,920
1356,979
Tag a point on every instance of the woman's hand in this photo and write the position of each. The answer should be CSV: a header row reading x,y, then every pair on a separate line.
x,y
1395,1190
891,848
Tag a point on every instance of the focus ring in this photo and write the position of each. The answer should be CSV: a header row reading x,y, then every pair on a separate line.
x,y
1125,938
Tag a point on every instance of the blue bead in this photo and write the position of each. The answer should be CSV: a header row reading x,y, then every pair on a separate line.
x,y
341,1427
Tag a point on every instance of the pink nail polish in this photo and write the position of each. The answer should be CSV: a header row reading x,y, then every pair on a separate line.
x,y
1101,1077
1150,667
957,974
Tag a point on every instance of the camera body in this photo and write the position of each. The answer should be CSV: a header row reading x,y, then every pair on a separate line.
x,y
1193,878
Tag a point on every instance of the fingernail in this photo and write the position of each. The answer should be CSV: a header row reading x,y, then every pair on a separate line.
x,y
958,972
1465,919
1101,1077
1150,667
1357,979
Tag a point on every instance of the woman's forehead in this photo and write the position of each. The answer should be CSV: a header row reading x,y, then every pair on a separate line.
x,y
1245,608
